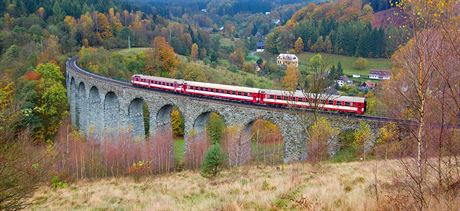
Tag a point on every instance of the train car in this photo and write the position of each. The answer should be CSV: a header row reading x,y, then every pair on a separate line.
x,y
236,93
343,104
267,97
153,82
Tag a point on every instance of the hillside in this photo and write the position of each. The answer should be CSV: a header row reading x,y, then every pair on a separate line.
x,y
346,186
391,17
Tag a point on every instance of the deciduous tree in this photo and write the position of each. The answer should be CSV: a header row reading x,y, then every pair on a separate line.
x,y
299,46
291,79
194,52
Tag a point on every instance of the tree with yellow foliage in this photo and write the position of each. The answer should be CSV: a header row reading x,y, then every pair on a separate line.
x,y
291,79
362,136
194,52
388,135
103,28
320,134
299,45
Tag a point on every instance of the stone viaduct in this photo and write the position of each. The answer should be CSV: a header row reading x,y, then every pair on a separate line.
x,y
101,107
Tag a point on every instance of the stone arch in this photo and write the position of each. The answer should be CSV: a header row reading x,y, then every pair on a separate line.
x,y
253,146
163,118
81,107
72,96
94,113
112,115
136,118
199,124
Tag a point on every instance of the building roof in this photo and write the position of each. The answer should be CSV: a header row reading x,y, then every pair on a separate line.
x,y
381,73
344,78
369,84
260,44
291,57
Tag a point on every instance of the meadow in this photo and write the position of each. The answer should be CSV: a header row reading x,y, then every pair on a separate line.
x,y
348,63
344,186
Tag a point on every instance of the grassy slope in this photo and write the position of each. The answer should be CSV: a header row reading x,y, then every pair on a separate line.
x,y
345,186
348,62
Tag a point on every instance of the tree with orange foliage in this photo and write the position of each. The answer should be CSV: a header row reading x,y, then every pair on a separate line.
x,y
41,12
291,79
161,60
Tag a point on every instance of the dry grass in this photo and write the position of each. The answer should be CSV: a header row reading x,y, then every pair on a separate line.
x,y
297,186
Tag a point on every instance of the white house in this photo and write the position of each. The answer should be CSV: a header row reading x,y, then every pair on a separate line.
x,y
380,75
287,59
356,76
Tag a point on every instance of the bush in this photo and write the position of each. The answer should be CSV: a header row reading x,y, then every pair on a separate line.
x,y
360,64
213,162
249,82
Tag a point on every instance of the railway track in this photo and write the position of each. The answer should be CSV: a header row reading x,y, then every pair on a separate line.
x,y
72,63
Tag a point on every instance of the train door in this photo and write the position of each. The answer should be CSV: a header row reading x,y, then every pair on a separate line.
x,y
261,96
175,85
184,88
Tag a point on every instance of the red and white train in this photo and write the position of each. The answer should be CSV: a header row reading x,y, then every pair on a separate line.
x,y
267,97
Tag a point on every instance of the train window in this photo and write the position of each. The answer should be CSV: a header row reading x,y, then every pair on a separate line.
x,y
233,93
278,97
330,102
347,103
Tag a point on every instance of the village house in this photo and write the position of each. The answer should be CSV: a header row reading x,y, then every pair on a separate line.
x,y
380,74
260,46
287,59
366,86
344,80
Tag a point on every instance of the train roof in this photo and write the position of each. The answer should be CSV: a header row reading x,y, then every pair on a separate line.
x,y
155,78
299,93
225,87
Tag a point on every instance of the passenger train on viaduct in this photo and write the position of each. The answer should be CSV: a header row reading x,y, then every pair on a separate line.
x,y
261,97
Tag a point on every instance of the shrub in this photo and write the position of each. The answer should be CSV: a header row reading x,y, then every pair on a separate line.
x,y
360,64
195,150
57,183
249,82
248,68
213,162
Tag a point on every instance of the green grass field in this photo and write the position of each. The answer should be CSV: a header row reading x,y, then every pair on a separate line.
x,y
348,62
179,149
132,51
